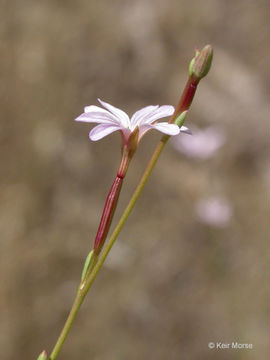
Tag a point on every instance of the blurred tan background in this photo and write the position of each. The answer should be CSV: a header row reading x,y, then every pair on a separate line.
x,y
192,263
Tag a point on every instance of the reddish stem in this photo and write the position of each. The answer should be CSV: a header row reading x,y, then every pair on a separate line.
x,y
186,97
110,204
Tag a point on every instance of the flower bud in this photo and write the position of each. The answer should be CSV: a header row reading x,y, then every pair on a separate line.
x,y
202,62
42,356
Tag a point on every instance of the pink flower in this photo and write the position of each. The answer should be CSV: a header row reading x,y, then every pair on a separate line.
x,y
112,119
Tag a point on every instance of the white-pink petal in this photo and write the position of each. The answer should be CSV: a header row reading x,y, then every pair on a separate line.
x,y
96,112
164,127
141,114
102,130
96,109
169,129
120,114
96,118
161,112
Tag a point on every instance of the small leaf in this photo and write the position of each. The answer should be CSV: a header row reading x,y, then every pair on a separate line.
x,y
86,264
181,118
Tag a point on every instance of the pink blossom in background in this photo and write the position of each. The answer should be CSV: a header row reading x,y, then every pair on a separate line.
x,y
214,211
203,144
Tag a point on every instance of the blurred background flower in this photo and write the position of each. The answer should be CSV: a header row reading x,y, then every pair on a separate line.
x,y
203,144
184,283
214,211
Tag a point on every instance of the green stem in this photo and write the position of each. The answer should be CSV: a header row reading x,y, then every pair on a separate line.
x,y
71,317
90,277
184,104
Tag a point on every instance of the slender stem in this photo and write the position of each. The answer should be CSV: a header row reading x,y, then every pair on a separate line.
x,y
111,202
71,317
105,223
184,104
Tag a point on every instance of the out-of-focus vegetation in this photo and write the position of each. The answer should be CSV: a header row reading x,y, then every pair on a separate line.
x,y
175,279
